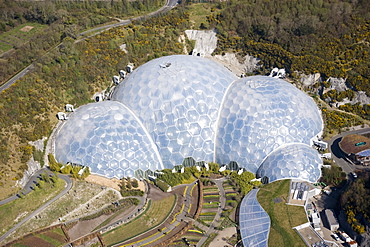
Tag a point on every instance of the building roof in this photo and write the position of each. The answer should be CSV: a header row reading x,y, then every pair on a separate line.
x,y
254,221
354,144
331,218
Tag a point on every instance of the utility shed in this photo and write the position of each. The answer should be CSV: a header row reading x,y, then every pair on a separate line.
x,y
332,220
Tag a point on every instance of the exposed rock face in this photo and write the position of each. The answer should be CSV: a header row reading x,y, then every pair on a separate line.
x,y
39,144
33,166
248,65
338,84
362,98
309,80
206,41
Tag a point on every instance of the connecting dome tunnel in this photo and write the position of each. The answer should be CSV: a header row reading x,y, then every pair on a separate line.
x,y
179,106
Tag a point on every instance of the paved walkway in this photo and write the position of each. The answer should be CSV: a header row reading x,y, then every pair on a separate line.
x,y
216,220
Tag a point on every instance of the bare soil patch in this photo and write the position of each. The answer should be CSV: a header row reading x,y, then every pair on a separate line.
x,y
85,227
56,236
155,193
35,242
26,28
112,183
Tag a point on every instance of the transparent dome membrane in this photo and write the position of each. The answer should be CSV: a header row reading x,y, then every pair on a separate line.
x,y
106,137
298,161
260,114
185,95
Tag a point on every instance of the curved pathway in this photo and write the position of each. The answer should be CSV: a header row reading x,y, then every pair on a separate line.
x,y
67,187
216,220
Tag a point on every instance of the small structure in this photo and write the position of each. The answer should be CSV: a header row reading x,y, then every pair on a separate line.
x,y
206,166
223,168
62,116
69,108
316,222
320,145
241,170
344,236
353,243
130,68
80,172
357,148
277,73
116,79
326,155
122,74
332,220
99,97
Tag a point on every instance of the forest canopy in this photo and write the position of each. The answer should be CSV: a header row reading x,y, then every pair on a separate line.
x,y
329,37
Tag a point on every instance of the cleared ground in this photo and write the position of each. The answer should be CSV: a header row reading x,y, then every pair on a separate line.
x,y
84,198
18,35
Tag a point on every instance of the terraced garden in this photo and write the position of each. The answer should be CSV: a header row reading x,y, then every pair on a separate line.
x,y
155,214
192,237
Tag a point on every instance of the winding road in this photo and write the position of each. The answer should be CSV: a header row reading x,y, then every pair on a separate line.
x,y
168,6
67,187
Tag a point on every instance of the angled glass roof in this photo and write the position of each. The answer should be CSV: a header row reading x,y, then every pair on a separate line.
x,y
254,221
364,153
107,137
292,161
259,114
178,98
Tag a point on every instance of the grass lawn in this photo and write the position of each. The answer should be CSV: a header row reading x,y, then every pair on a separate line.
x,y
283,217
16,36
155,214
13,212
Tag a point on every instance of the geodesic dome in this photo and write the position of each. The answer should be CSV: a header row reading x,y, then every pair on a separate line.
x,y
108,138
261,113
177,107
292,161
178,99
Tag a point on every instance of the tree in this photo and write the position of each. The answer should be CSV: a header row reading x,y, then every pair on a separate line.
x,y
134,183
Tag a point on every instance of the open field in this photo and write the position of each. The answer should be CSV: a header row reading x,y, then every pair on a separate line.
x,y
199,12
13,212
156,212
283,217
19,35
